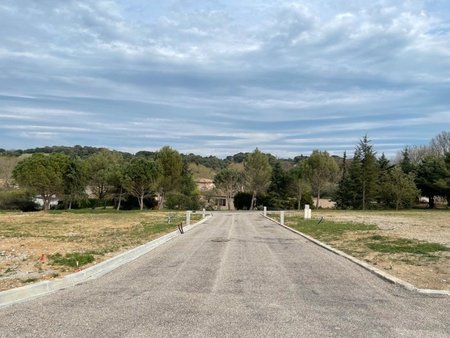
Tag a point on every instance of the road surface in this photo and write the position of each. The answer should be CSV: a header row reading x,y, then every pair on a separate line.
x,y
237,275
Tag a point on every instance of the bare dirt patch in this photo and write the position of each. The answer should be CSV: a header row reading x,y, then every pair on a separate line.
x,y
426,225
28,241
414,228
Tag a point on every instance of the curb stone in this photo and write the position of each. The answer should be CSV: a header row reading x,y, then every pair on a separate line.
x,y
28,292
367,266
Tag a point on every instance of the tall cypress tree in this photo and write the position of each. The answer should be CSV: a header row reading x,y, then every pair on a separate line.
x,y
369,171
406,164
361,185
343,195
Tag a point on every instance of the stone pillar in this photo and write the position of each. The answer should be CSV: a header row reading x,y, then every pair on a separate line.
x,y
282,217
204,213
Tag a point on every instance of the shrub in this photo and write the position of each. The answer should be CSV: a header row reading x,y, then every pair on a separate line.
x,y
17,200
182,202
242,201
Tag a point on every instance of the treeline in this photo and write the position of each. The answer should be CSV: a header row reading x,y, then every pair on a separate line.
x,y
88,176
108,177
75,151
265,181
84,152
367,181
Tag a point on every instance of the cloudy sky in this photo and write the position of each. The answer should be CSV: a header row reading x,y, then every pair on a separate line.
x,y
222,76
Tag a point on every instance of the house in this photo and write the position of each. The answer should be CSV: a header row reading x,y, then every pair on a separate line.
x,y
213,198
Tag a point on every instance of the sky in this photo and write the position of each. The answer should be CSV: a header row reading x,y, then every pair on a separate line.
x,y
217,77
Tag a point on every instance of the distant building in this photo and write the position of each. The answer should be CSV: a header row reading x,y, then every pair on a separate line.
x,y
213,198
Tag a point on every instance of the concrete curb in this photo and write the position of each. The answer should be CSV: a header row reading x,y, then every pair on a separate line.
x,y
29,292
365,265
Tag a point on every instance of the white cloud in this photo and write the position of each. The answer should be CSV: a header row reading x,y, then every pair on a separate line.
x,y
224,75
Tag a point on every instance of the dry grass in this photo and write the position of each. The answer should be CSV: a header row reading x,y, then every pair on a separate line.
x,y
393,241
27,240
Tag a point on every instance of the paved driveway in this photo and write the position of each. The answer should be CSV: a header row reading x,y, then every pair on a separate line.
x,y
236,275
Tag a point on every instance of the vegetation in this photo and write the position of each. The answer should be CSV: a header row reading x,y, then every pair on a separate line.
x,y
51,243
243,201
320,169
414,251
171,165
230,182
257,174
328,230
89,177
42,175
388,245
141,178
368,182
73,259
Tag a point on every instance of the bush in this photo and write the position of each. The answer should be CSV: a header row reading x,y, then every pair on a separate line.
x,y
274,202
132,203
242,200
17,200
182,202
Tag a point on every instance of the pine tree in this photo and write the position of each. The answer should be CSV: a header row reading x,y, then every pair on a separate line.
x,y
369,172
343,195
361,184
406,164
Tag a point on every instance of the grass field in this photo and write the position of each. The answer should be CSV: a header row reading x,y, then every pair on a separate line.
x,y
36,246
413,245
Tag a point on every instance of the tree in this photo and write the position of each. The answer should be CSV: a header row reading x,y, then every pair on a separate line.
x,y
257,174
229,181
369,172
118,180
75,181
344,196
279,182
43,175
141,178
189,188
447,177
300,185
397,189
171,164
364,174
431,178
405,163
321,169
7,165
440,144
100,168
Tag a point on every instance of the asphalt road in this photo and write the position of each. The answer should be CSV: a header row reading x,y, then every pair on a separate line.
x,y
236,275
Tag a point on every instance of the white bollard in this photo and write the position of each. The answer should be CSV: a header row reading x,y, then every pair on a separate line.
x,y
188,218
204,213
307,214
265,211
282,217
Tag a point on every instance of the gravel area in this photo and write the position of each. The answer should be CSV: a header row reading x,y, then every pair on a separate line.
x,y
426,225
